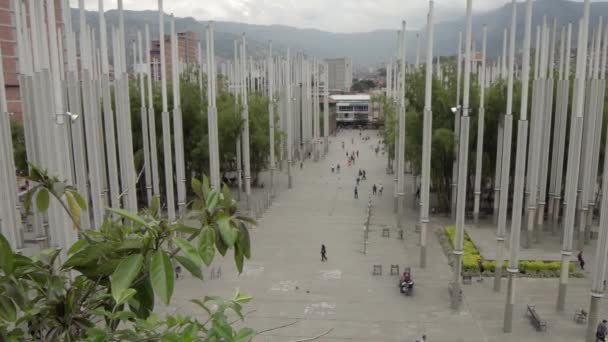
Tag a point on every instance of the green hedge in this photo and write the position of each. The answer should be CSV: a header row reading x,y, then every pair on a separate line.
x,y
529,267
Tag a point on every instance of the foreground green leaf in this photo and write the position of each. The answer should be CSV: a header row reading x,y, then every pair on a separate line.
x,y
229,234
189,251
206,246
42,200
194,269
129,216
6,256
125,273
8,312
161,275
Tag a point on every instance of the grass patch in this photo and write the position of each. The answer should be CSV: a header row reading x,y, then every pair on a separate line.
x,y
527,268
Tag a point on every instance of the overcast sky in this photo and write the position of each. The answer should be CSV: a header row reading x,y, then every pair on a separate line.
x,y
327,15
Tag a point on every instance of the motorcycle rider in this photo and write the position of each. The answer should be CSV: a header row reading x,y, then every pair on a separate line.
x,y
406,282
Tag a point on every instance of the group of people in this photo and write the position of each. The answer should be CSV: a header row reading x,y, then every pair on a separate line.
x,y
362,175
377,189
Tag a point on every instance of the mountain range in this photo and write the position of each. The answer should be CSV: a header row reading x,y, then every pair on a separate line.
x,y
365,48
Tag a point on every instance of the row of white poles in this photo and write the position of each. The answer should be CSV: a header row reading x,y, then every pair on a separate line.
x,y
541,179
95,151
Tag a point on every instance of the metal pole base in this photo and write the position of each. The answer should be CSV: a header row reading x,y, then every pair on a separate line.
x,y
455,286
531,215
563,281
592,318
289,176
498,267
582,224
561,296
508,320
588,224
400,210
422,256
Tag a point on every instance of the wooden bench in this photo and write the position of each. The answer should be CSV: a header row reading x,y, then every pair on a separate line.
x,y
467,279
377,270
539,324
394,269
386,232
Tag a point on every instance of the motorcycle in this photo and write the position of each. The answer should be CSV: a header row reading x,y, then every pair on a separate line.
x,y
407,288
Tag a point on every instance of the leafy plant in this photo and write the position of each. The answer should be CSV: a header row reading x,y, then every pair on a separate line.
x,y
105,289
528,267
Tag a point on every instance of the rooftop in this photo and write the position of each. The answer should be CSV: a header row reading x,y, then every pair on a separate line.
x,y
358,97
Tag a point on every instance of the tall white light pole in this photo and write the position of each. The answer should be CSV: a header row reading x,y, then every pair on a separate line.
x,y
245,131
401,149
506,155
74,106
167,154
427,138
271,103
326,107
592,141
240,86
288,115
214,160
10,224
574,152
417,51
480,127
125,135
600,72
520,161
144,122
152,121
601,251
562,104
545,173
92,126
178,130
456,128
463,161
536,133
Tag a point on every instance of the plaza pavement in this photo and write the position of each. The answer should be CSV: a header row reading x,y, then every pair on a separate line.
x,y
289,283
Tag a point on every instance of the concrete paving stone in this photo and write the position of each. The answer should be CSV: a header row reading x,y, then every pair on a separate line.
x,y
289,283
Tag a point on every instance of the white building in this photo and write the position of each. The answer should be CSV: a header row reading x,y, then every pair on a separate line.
x,y
340,74
352,109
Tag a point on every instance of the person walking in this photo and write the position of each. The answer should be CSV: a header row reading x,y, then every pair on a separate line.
x,y
380,189
338,168
332,168
601,332
581,261
323,253
422,339
358,179
356,193
374,189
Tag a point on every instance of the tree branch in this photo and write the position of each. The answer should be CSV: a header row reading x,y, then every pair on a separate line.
x,y
277,328
315,337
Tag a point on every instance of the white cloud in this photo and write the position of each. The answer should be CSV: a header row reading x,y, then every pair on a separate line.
x,y
327,15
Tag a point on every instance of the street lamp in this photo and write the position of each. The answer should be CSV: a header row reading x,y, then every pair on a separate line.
x,y
59,117
456,109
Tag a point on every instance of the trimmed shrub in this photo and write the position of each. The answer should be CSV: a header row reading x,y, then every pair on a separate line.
x,y
532,268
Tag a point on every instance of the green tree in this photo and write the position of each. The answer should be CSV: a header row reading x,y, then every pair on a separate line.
x,y
106,288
